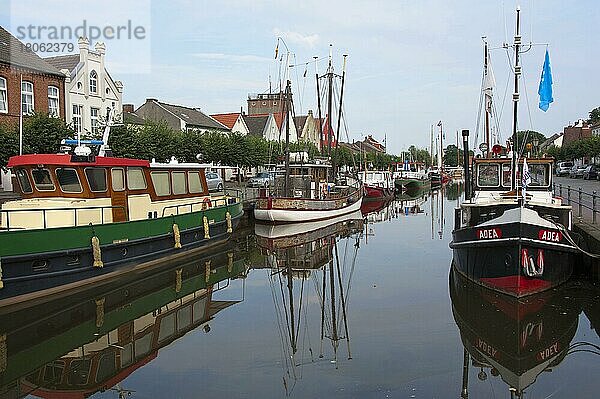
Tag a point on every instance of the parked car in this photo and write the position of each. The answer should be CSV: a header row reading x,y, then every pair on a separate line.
x,y
262,179
577,171
591,172
563,168
214,181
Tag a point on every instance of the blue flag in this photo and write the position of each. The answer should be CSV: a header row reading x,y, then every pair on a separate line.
x,y
545,89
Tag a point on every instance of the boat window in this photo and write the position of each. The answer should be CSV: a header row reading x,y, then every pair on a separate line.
x,y
184,318
167,327
53,371
24,181
127,354
506,175
378,176
540,175
143,345
161,182
199,310
118,179
42,179
68,180
78,372
488,175
178,181
136,179
106,366
194,183
96,179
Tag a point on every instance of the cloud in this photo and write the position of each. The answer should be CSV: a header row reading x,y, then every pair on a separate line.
x,y
297,37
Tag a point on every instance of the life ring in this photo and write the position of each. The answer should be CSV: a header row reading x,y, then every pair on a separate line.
x,y
206,203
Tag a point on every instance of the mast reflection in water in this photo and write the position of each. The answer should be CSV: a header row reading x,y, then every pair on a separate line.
x,y
303,257
89,342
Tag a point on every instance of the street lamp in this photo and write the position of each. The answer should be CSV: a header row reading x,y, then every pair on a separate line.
x,y
535,146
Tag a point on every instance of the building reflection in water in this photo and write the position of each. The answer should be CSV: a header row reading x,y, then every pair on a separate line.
x,y
90,341
517,340
311,268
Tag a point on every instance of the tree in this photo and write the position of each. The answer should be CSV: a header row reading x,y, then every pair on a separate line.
x,y
42,134
9,144
594,116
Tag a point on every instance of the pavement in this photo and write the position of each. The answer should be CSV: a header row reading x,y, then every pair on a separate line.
x,y
587,188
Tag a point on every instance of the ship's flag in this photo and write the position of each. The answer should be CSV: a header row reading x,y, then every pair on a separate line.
x,y
545,89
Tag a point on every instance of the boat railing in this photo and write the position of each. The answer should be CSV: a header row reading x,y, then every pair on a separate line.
x,y
204,205
324,192
45,211
584,200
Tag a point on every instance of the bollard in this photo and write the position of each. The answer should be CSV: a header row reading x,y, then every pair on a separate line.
x,y
594,207
568,195
579,201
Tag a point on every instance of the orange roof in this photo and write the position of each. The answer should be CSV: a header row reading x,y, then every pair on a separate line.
x,y
228,119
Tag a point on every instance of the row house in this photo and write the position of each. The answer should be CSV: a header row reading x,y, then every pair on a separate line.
x,y
577,131
234,121
179,117
91,92
28,84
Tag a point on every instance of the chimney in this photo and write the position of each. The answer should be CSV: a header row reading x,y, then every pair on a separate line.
x,y
310,113
128,108
151,100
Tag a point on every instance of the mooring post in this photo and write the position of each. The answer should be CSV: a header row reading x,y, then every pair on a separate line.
x,y
594,207
579,200
569,195
560,189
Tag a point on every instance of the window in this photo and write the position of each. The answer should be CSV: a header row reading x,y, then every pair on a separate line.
x,y
68,180
106,366
118,179
96,179
3,96
93,82
27,98
53,108
194,183
79,371
184,318
77,118
135,179
24,181
94,118
488,175
167,327
178,183
161,182
143,345
42,180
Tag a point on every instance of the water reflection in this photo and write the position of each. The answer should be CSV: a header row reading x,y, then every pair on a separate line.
x,y
517,340
91,341
311,269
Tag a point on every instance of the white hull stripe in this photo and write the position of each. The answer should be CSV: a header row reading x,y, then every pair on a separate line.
x,y
290,215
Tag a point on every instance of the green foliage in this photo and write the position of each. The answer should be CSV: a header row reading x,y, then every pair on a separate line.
x,y
9,144
453,155
594,115
588,147
42,134
525,137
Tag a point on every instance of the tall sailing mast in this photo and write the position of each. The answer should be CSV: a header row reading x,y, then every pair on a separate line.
x,y
487,91
517,73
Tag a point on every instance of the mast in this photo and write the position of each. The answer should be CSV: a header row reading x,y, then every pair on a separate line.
x,y
515,145
337,141
488,97
319,101
439,149
431,148
287,138
329,103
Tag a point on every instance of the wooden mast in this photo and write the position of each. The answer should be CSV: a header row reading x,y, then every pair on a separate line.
x,y
329,103
515,144
287,138
488,98
319,103
337,141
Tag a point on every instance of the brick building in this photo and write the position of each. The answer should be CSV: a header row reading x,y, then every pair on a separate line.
x,y
28,82
575,132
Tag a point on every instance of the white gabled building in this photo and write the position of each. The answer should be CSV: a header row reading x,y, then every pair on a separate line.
x,y
90,91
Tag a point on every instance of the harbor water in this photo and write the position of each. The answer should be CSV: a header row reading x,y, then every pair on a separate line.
x,y
362,307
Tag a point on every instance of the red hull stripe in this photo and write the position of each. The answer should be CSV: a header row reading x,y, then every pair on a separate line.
x,y
517,284
65,159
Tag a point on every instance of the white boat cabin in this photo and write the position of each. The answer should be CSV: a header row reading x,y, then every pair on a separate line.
x,y
60,190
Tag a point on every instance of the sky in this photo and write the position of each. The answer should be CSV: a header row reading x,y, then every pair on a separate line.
x,y
410,64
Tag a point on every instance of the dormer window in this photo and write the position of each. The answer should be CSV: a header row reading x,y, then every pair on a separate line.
x,y
93,82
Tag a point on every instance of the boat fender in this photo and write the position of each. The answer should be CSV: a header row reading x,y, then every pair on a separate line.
x,y
1,282
206,203
96,252
100,312
207,271
178,280
229,262
228,218
176,236
206,228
